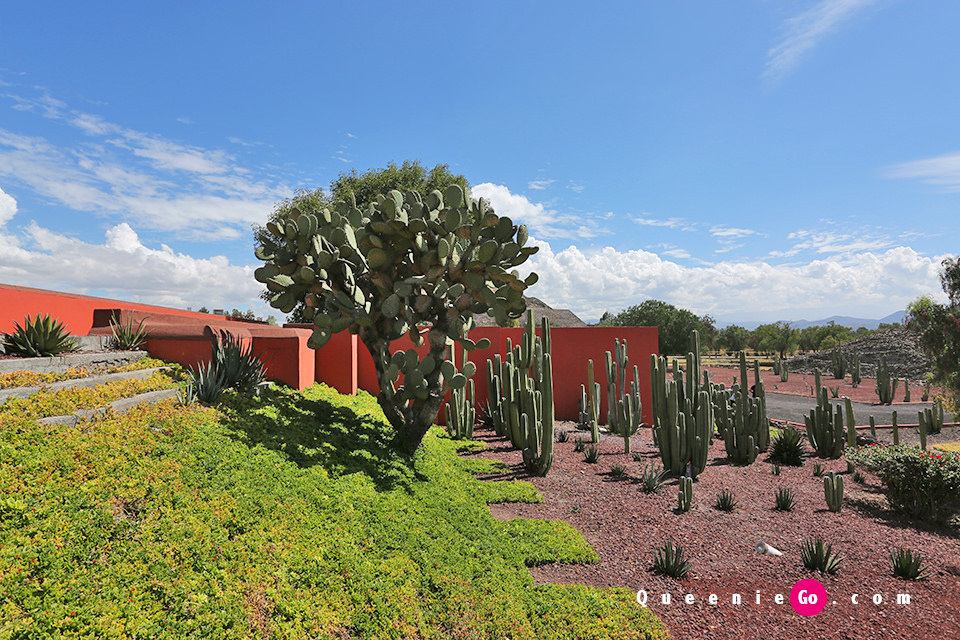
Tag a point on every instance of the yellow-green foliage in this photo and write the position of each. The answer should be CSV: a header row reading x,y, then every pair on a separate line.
x,y
34,379
948,446
282,516
65,401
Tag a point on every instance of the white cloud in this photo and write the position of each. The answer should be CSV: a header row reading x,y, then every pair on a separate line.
x,y
837,242
544,222
940,170
805,31
8,207
645,220
573,186
539,184
721,231
154,182
49,260
870,284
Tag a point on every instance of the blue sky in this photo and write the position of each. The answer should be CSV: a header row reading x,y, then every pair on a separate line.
x,y
755,160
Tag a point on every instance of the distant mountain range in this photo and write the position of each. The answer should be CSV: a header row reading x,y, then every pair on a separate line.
x,y
847,321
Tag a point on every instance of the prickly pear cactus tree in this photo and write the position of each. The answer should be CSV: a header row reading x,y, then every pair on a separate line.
x,y
407,264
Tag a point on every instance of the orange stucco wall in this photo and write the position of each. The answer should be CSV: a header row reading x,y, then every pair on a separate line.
x,y
74,310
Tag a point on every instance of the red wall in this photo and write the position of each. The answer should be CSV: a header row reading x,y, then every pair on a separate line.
x,y
572,347
343,363
74,310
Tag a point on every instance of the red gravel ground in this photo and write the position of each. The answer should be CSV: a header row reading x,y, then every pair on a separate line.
x,y
799,384
625,526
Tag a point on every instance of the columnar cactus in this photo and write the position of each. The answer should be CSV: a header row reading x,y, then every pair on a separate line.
x,y
592,401
896,429
745,427
855,378
685,494
825,427
405,261
906,390
784,372
521,392
623,413
682,426
922,427
886,385
461,413
838,363
833,491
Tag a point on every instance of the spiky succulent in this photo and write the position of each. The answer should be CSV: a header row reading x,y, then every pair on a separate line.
x,y
819,556
126,336
787,448
38,336
669,560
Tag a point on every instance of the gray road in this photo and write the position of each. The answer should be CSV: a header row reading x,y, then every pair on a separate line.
x,y
782,406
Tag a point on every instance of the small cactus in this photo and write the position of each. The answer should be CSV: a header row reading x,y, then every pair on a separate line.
x,y
685,494
833,491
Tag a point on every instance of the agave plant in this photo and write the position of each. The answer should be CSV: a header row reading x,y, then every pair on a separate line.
x,y
669,560
652,478
207,385
125,336
39,336
236,365
908,564
787,448
819,556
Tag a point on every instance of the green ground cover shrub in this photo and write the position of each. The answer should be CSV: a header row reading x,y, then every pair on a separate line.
x,y
33,378
285,515
921,484
46,403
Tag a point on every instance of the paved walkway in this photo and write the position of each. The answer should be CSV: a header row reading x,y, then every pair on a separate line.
x,y
782,406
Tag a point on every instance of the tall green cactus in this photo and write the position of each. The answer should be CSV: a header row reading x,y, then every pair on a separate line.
x,y
833,491
922,426
825,427
461,413
886,385
896,429
521,396
906,390
593,404
683,414
405,261
855,378
838,363
623,412
745,427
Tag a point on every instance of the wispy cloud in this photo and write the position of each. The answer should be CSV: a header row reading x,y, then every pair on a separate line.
x,y
804,32
155,182
842,243
539,184
722,231
940,170
646,220
575,187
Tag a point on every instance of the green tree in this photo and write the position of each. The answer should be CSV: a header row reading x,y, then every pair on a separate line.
x,y
733,338
673,324
939,328
405,265
363,188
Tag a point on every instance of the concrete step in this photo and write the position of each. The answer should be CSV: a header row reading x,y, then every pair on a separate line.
x,y
92,381
118,406
59,364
